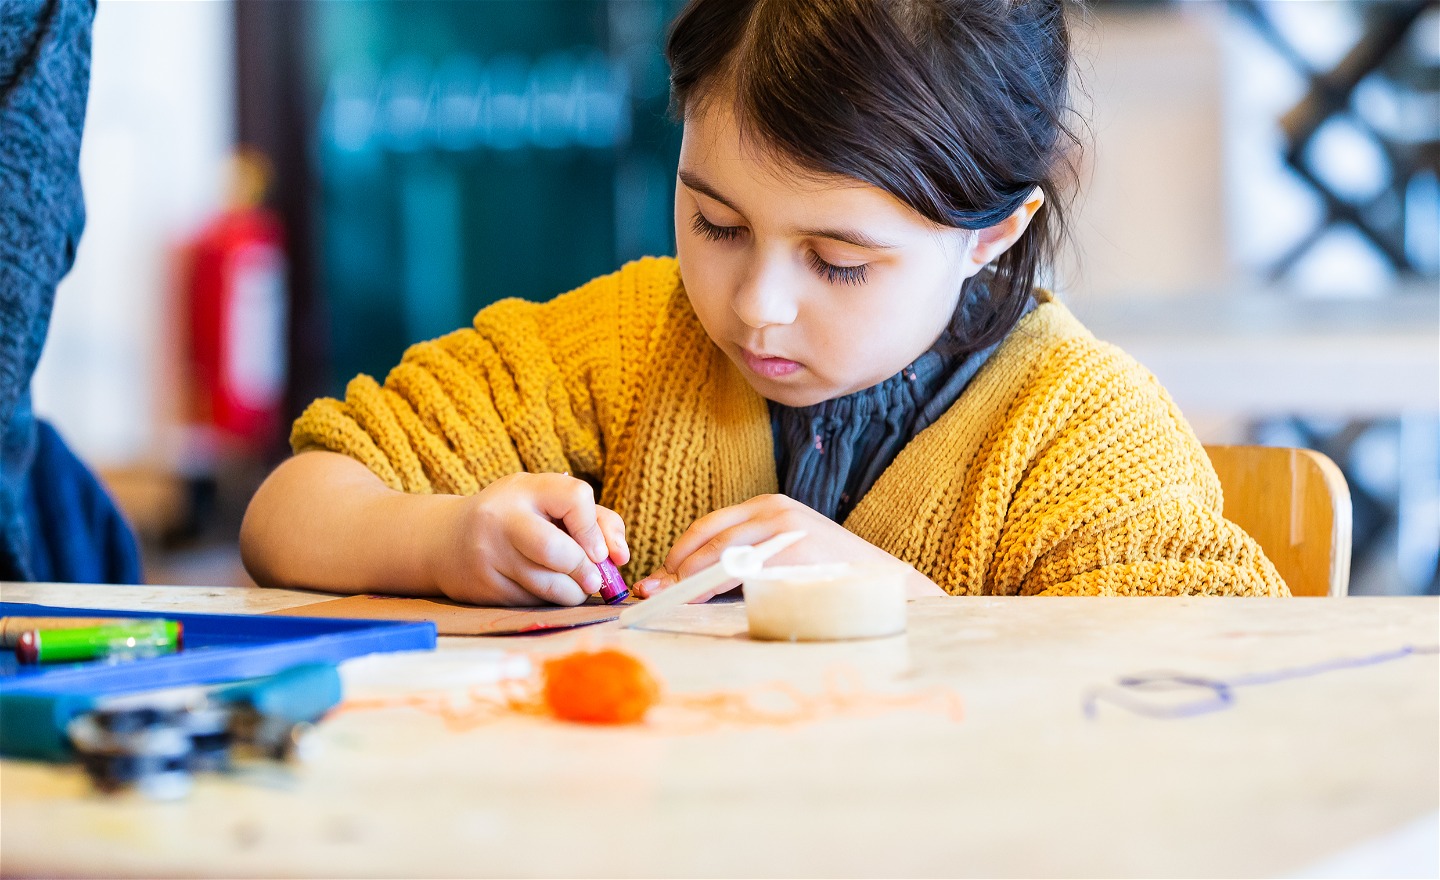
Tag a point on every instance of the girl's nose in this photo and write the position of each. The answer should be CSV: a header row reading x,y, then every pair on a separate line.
x,y
766,297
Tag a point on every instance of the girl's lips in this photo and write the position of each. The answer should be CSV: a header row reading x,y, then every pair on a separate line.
x,y
769,367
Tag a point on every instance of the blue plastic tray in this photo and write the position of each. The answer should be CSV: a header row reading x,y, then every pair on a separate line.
x,y
36,702
218,647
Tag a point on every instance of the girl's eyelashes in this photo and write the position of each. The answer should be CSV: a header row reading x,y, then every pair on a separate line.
x,y
838,274
709,230
829,271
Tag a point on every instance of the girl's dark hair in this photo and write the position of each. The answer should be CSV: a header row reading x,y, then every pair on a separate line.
x,y
958,108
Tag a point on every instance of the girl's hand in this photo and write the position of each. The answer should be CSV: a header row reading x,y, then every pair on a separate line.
x,y
760,519
526,539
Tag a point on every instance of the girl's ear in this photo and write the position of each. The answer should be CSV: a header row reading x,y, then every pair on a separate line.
x,y
992,242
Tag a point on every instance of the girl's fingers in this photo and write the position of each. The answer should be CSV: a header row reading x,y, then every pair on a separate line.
x,y
543,545
613,527
656,582
704,530
723,588
572,502
509,593
749,531
545,584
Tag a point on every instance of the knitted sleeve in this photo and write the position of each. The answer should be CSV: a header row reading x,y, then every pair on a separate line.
x,y
1108,491
530,387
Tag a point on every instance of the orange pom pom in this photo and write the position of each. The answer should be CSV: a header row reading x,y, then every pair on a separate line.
x,y
599,687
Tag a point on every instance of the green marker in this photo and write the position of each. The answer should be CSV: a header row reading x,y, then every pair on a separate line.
x,y
143,638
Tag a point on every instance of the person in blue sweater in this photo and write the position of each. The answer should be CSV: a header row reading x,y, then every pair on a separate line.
x,y
56,521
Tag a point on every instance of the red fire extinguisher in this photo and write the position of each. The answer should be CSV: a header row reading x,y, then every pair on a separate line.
x,y
239,305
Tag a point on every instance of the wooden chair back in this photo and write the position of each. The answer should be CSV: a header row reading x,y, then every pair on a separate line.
x,y
1296,505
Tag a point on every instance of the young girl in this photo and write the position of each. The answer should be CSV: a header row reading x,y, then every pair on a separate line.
x,y
849,342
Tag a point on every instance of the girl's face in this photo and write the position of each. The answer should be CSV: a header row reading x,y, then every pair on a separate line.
x,y
814,287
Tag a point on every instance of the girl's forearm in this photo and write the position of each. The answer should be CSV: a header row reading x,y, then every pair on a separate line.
x,y
322,520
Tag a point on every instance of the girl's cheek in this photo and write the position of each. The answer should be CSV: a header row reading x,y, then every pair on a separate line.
x,y
705,283
718,270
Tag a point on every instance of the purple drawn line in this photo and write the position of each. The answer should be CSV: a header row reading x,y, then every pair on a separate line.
x,y
1125,692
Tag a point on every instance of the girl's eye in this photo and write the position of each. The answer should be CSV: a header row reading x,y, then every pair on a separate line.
x,y
829,271
709,230
838,274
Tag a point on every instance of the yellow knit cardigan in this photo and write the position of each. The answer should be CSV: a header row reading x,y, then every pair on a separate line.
x,y
1064,468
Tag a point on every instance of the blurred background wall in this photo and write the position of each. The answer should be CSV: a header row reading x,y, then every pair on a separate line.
x,y
1259,223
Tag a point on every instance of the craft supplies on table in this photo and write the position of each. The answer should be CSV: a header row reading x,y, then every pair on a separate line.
x,y
14,626
613,590
599,687
794,603
736,563
808,603
763,741
120,640
156,741
455,672
452,618
37,703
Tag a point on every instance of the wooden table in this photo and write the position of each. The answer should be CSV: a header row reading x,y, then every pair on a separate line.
x,y
1291,776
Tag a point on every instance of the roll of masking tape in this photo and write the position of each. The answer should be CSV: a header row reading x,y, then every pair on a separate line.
x,y
810,603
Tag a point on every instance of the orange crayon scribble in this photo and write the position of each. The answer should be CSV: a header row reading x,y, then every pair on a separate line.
x,y
782,704
612,687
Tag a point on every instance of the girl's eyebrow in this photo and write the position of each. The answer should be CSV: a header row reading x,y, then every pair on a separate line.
x,y
848,236
698,183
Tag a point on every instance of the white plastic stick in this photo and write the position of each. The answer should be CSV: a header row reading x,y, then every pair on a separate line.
x,y
736,563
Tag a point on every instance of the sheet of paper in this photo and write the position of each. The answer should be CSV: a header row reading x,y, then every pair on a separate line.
x,y
454,619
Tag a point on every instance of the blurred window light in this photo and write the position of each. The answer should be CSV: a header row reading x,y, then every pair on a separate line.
x,y
1360,133
603,119
431,228
553,101
1321,31
349,110
644,199
472,151
1397,110
1348,160
404,104
1342,263
1425,38
463,95
559,100
158,132
1422,222
508,118
1271,210
1350,125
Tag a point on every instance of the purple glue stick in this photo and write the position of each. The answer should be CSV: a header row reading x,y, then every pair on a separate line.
x,y
612,585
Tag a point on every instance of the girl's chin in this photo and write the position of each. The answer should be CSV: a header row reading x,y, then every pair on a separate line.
x,y
802,393
792,396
